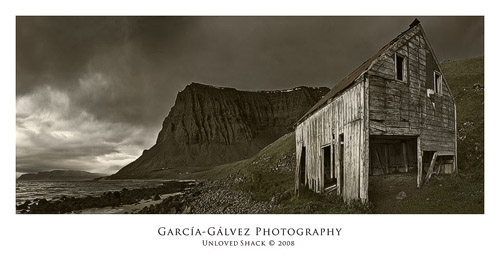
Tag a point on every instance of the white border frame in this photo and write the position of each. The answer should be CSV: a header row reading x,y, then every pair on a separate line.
x,y
134,237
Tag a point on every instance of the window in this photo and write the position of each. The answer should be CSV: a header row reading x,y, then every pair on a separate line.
x,y
438,82
400,68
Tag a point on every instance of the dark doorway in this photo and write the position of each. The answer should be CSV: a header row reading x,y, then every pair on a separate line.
x,y
303,166
392,154
328,175
393,170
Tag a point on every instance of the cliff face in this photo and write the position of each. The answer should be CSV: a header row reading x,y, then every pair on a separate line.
x,y
210,126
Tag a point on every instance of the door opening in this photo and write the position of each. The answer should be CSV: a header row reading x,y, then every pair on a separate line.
x,y
328,173
303,166
393,155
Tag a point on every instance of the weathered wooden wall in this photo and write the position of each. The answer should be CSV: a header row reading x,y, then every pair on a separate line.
x,y
345,115
404,107
410,107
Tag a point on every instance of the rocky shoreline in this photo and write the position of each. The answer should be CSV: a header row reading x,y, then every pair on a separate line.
x,y
107,199
171,197
212,197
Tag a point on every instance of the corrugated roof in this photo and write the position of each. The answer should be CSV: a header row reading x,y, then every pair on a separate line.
x,y
347,81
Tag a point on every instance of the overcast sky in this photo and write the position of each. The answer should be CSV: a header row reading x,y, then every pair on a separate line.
x,y
92,92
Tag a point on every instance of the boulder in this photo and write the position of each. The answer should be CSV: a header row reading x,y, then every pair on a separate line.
x,y
401,195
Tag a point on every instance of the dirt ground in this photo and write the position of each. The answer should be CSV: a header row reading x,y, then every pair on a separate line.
x,y
384,189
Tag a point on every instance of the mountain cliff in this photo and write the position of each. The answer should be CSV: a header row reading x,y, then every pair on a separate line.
x,y
210,126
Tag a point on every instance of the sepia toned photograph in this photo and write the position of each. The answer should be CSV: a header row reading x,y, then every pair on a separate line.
x,y
249,115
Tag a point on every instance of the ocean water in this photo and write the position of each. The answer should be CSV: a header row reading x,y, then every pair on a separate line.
x,y
30,190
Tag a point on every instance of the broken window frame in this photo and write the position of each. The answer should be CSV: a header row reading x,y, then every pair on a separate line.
x,y
438,83
404,68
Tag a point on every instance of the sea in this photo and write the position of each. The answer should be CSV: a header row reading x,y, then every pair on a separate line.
x,y
49,190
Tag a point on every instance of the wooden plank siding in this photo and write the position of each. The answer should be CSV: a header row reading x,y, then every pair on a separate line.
x,y
405,108
343,115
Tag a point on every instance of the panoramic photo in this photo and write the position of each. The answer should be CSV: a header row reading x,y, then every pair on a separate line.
x,y
250,115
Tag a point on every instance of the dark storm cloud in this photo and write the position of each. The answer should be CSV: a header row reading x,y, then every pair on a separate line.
x,y
125,72
56,49
147,60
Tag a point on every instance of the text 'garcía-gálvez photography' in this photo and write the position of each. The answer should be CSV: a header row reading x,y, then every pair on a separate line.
x,y
246,231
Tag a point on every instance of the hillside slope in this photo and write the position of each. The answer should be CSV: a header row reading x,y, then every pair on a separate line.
x,y
466,79
269,172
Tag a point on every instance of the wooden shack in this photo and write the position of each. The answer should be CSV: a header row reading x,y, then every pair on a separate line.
x,y
394,114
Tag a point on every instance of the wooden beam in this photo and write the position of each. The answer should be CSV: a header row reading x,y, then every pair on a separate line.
x,y
385,141
445,153
386,161
365,136
431,168
455,163
321,179
405,156
331,188
298,150
332,164
439,167
378,159
419,162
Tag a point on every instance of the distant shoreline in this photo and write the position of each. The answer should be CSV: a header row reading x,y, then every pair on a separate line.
x,y
61,175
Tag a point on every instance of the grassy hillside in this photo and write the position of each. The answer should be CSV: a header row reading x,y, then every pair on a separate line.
x,y
269,173
466,80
